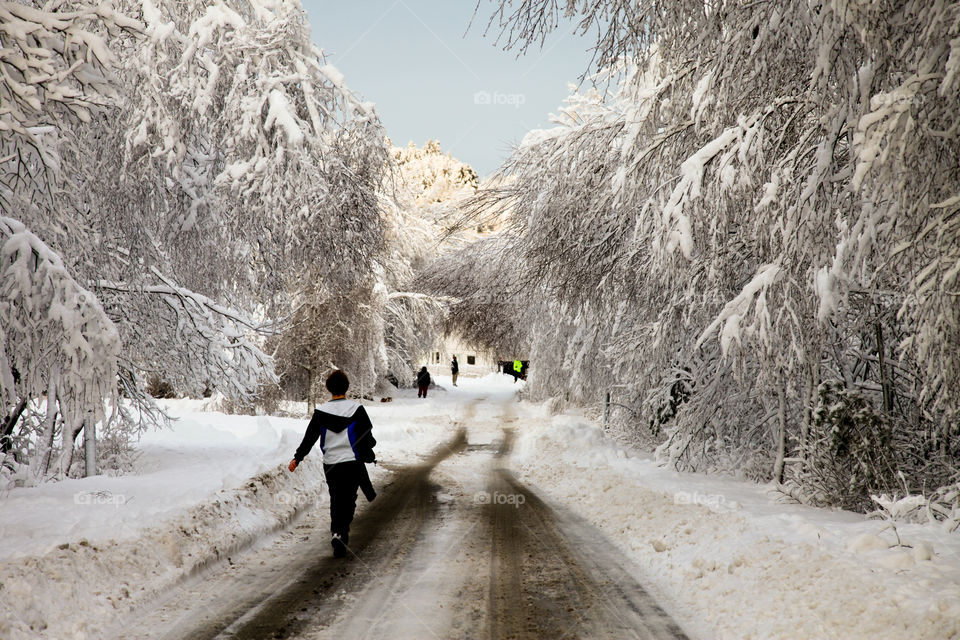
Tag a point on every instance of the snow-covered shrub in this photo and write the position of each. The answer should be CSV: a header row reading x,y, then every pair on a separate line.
x,y
267,402
944,505
849,453
941,506
157,387
116,452
669,398
911,508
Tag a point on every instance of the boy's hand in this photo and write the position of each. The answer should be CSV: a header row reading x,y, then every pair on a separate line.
x,y
293,465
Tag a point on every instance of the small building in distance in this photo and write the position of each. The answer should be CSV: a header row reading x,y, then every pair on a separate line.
x,y
473,362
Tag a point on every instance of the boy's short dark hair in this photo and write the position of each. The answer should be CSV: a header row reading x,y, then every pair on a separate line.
x,y
338,383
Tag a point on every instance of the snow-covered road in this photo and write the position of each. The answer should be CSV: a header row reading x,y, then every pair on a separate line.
x,y
455,547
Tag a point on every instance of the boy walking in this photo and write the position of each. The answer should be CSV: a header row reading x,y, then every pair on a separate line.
x,y
346,439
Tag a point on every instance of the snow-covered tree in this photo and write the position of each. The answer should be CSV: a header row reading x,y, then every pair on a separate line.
x,y
430,176
209,177
239,110
55,68
255,152
56,344
756,199
60,351
487,305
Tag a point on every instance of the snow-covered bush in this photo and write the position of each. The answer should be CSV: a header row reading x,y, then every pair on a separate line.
x,y
911,508
944,505
157,387
266,402
849,454
941,506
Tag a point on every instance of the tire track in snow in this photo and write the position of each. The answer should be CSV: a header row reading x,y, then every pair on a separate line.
x,y
390,529
298,576
430,562
553,575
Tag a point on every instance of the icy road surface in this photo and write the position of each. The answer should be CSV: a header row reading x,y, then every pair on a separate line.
x,y
454,547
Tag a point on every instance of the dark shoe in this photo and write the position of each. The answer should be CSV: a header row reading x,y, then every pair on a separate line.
x,y
339,546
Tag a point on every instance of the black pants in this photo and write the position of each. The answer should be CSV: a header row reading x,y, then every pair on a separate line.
x,y
343,481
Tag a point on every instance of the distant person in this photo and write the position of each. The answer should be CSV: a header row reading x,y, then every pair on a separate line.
x,y
423,382
346,439
454,370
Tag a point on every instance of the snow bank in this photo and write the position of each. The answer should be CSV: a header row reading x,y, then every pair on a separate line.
x,y
731,561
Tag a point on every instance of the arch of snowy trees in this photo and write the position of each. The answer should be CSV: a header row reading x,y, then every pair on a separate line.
x,y
745,229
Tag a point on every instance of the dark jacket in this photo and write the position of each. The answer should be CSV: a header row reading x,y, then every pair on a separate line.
x,y
454,367
423,378
335,417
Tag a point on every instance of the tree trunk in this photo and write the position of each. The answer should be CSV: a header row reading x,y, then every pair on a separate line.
x,y
311,403
606,411
90,447
808,395
68,440
49,428
945,436
884,370
781,435
811,385
9,423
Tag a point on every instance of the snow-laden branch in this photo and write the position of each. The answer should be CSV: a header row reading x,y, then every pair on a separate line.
x,y
211,335
56,342
735,312
55,62
197,300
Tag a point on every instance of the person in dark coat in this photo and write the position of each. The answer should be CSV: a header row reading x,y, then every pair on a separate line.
x,y
454,370
423,382
346,439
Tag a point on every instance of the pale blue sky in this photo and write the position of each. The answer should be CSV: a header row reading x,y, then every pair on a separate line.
x,y
429,80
